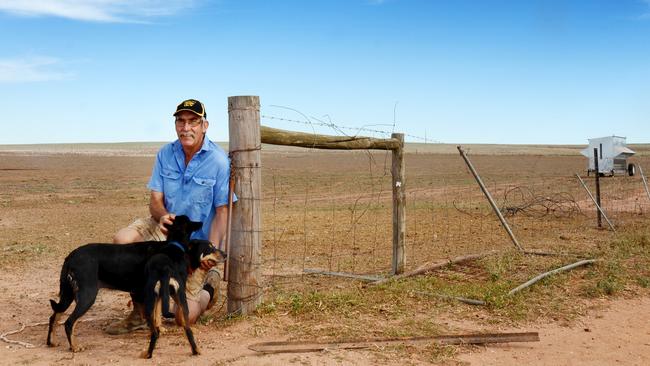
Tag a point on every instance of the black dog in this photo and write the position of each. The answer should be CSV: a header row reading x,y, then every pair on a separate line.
x,y
169,270
116,266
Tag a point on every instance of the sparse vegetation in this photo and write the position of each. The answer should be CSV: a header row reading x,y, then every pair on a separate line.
x,y
409,307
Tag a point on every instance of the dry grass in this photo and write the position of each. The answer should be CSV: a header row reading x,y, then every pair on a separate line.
x,y
335,310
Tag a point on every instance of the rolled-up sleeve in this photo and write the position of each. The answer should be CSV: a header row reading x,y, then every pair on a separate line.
x,y
156,181
221,186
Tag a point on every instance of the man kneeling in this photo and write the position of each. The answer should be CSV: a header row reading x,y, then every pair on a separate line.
x,y
190,177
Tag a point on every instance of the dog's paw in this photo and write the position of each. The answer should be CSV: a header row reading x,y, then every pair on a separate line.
x,y
77,349
145,354
196,352
52,344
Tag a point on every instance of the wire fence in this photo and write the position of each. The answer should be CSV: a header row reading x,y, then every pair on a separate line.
x,y
365,129
331,211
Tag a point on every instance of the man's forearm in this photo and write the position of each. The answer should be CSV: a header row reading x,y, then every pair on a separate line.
x,y
157,212
218,227
157,206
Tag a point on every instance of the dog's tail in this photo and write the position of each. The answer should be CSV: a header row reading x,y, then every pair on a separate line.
x,y
66,293
164,296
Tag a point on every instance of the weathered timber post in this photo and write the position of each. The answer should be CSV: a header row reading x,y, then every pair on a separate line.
x,y
600,220
487,194
399,206
245,278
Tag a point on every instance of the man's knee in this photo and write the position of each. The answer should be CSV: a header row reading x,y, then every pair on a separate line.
x,y
195,309
126,236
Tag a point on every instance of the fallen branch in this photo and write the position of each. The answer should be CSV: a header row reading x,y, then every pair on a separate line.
x,y
549,273
546,254
3,336
433,266
298,347
342,274
457,298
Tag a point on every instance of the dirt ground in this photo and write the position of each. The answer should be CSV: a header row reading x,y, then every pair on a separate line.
x,y
617,334
614,333
52,202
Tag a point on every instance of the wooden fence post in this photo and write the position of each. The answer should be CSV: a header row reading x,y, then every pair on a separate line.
x,y
245,280
597,175
399,206
487,194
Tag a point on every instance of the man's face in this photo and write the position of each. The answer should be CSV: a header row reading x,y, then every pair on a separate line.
x,y
190,129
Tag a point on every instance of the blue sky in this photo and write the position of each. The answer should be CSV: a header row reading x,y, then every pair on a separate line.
x,y
537,71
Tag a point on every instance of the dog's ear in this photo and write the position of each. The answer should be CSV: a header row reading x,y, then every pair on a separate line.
x,y
181,219
222,253
195,225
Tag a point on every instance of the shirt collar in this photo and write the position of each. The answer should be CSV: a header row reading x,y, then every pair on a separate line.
x,y
207,144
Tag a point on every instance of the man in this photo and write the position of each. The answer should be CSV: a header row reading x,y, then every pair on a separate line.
x,y
190,177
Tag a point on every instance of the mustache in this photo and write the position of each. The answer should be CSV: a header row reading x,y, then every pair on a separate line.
x,y
186,134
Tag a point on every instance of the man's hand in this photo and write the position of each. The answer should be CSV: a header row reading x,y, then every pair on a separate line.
x,y
166,219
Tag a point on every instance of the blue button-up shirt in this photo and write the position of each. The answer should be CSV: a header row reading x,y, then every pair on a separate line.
x,y
194,190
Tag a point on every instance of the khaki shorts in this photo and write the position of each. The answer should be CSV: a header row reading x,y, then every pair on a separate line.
x,y
149,230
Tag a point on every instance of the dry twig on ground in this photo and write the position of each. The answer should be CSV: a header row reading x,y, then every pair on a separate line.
x,y
549,273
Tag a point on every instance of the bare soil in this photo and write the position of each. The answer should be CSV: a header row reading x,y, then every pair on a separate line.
x,y
51,203
614,333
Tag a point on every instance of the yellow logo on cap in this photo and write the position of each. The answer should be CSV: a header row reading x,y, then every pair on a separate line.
x,y
189,103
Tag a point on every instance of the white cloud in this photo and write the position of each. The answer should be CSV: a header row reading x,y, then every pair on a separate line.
x,y
30,70
96,10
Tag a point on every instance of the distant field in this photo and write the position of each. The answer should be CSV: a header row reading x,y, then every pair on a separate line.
x,y
101,149
150,148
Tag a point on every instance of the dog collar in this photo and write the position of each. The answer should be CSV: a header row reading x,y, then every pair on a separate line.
x,y
177,244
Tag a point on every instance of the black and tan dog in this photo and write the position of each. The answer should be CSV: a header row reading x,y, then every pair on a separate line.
x,y
166,273
115,266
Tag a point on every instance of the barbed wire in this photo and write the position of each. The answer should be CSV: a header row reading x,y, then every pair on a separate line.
x,y
340,128
524,200
528,202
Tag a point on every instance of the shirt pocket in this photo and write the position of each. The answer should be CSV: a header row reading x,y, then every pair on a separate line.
x,y
171,182
202,190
